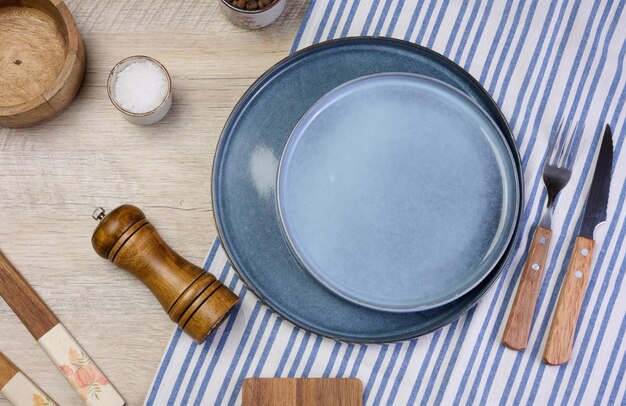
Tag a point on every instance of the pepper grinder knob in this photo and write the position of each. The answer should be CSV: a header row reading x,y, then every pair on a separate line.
x,y
193,298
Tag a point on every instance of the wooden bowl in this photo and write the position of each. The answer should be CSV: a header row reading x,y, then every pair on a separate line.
x,y
42,60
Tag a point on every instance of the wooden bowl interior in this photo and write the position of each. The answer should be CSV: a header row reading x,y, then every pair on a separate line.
x,y
42,60
35,46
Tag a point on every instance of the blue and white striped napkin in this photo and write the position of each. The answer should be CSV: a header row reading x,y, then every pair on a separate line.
x,y
542,61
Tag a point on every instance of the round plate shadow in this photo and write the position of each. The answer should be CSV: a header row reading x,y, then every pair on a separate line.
x,y
244,185
397,192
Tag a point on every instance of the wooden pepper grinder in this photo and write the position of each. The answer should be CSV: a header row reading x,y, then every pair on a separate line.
x,y
193,298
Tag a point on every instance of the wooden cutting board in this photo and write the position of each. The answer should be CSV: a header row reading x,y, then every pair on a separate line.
x,y
302,392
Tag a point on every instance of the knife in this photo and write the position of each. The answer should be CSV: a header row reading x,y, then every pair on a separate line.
x,y
66,354
561,336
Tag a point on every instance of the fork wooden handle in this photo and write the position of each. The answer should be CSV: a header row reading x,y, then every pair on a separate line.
x,y
561,337
520,319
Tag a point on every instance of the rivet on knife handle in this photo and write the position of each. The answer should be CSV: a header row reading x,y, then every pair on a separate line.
x,y
561,337
520,318
73,362
18,388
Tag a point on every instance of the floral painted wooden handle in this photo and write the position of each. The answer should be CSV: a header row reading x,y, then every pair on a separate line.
x,y
74,363
21,391
18,388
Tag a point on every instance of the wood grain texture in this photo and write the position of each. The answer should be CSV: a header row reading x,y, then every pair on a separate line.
x,y
25,302
520,319
302,392
561,336
194,299
42,56
52,177
7,370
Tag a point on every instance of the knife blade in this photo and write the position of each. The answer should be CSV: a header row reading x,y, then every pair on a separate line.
x,y
598,198
561,336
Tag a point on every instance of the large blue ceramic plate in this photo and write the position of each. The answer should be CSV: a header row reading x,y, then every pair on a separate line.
x,y
397,192
244,185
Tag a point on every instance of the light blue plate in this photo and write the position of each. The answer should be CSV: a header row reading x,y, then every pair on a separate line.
x,y
397,192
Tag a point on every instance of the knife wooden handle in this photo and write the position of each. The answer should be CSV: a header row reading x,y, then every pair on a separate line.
x,y
18,388
561,336
521,315
25,302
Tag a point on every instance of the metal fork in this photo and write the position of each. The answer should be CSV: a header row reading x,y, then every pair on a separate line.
x,y
557,171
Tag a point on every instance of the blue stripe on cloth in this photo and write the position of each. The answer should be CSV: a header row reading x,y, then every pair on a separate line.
x,y
357,362
504,19
455,355
427,17
394,19
333,27
375,369
387,373
252,351
309,364
521,43
455,28
466,31
268,346
438,21
619,379
370,17
435,371
305,19
425,363
183,371
331,360
542,62
287,352
299,354
238,353
351,15
403,368
414,16
382,18
344,360
325,18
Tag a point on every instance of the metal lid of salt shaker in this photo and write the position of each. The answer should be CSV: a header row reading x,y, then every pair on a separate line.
x,y
141,88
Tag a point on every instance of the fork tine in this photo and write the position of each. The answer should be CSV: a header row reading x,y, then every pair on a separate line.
x,y
566,161
553,147
562,143
559,143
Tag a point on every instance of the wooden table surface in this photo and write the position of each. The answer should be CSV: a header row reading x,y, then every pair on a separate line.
x,y
52,176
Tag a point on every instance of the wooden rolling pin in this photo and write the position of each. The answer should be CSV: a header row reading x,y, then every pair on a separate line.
x,y
68,356
193,298
18,388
